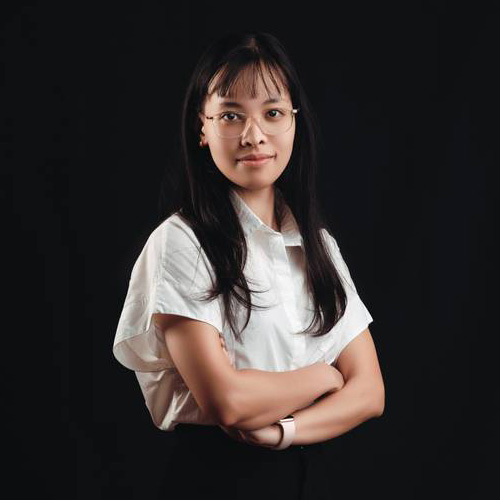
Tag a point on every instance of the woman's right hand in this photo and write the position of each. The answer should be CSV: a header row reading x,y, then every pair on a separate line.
x,y
334,378
337,379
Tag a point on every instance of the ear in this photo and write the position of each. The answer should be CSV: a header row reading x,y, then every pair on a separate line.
x,y
202,119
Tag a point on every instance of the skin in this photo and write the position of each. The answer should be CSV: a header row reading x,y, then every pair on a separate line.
x,y
255,185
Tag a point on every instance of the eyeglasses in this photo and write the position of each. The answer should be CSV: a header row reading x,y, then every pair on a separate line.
x,y
232,124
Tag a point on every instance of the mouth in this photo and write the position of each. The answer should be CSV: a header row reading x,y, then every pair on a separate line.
x,y
256,163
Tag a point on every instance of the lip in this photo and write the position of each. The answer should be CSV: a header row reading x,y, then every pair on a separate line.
x,y
255,160
260,156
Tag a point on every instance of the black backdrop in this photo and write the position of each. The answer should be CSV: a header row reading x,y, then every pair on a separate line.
x,y
91,102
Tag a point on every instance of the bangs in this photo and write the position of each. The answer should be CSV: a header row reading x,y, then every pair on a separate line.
x,y
244,75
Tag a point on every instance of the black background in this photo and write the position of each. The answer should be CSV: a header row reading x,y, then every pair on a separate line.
x,y
91,99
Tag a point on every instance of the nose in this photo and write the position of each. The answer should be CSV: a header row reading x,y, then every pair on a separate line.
x,y
253,133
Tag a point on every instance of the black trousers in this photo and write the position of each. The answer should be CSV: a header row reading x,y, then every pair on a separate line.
x,y
207,462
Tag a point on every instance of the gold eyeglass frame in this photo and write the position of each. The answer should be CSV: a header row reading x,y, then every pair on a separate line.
x,y
293,111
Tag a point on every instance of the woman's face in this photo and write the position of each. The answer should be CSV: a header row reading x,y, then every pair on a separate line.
x,y
227,153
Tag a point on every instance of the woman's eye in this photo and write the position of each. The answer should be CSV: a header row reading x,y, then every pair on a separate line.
x,y
228,114
275,111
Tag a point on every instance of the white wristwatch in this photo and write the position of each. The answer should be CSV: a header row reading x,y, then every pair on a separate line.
x,y
288,431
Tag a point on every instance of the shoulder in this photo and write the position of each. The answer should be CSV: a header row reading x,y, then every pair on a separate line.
x,y
180,253
171,240
171,246
174,234
338,259
329,240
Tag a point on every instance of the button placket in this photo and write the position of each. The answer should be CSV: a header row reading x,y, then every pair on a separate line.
x,y
283,278
286,290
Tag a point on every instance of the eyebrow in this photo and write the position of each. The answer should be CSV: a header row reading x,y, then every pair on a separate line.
x,y
238,105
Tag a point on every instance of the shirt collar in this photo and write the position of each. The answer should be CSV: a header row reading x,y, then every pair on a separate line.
x,y
251,222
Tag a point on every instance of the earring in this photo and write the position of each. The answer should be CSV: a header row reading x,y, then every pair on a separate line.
x,y
201,144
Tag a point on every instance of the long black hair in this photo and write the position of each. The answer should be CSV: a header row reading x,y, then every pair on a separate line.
x,y
200,193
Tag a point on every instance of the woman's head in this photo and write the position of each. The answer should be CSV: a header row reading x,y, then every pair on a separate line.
x,y
248,69
260,92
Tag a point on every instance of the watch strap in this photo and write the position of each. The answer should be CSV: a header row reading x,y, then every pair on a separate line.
x,y
288,426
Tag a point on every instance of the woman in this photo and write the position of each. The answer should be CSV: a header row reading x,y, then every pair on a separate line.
x,y
244,375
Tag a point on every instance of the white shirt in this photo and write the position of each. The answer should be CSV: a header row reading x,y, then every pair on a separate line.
x,y
168,275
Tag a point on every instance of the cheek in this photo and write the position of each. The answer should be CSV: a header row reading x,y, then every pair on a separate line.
x,y
223,155
216,148
286,140
285,145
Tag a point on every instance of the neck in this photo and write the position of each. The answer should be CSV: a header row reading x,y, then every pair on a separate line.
x,y
263,203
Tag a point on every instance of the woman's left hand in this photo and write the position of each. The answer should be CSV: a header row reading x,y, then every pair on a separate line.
x,y
268,436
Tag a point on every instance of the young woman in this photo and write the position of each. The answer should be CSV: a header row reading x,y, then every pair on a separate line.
x,y
241,321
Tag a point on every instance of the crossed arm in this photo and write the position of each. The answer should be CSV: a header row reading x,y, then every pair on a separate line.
x,y
362,397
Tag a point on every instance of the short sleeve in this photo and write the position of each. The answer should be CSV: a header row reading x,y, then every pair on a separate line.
x,y
170,275
356,317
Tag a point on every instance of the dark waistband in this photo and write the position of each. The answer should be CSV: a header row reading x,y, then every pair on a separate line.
x,y
216,432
